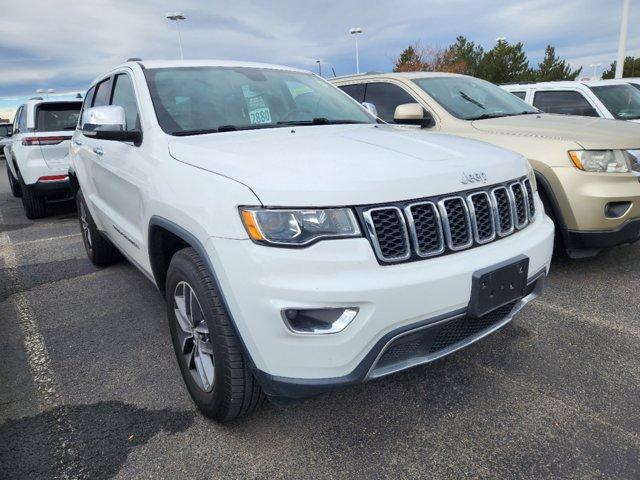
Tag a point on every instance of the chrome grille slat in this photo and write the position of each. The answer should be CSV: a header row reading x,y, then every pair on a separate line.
x,y
426,228
456,222
482,217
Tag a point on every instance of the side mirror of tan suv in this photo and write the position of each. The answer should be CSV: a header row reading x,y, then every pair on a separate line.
x,y
413,114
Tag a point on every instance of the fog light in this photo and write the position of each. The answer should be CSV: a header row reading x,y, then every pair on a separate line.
x,y
616,209
316,321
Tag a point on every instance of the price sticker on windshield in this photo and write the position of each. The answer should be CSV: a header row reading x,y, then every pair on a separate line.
x,y
260,115
258,110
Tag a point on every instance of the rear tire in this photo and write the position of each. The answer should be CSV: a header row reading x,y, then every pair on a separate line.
x,y
218,380
100,251
13,182
34,205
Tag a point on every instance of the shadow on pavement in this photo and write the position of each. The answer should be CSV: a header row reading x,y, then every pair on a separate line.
x,y
97,440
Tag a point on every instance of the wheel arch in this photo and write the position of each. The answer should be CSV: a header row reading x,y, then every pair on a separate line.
x,y
161,229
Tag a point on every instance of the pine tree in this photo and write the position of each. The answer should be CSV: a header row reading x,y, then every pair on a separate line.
x,y
553,68
631,68
467,53
505,63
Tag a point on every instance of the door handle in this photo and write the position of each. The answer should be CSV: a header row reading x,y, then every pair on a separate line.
x,y
98,151
77,142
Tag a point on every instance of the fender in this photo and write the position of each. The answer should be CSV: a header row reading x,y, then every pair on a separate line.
x,y
542,181
157,221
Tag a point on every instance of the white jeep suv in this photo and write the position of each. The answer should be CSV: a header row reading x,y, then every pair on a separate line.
x,y
300,244
38,152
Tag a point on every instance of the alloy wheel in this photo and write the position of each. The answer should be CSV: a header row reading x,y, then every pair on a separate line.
x,y
194,336
84,223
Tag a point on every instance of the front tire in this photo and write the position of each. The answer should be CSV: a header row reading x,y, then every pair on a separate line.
x,y
207,349
13,182
100,251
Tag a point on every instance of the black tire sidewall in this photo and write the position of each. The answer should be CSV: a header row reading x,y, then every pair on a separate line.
x,y
183,269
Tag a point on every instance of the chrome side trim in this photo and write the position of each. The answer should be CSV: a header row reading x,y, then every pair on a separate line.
x,y
447,227
414,233
369,223
474,218
539,278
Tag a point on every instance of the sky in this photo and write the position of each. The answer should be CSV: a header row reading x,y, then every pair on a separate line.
x,y
65,44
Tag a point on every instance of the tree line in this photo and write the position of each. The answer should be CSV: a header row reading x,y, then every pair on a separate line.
x,y
504,63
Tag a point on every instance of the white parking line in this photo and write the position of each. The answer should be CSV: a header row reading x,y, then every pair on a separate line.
x,y
39,364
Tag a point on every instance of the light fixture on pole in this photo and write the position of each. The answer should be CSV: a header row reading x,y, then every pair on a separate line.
x,y
355,31
595,67
622,42
176,17
319,68
45,91
501,39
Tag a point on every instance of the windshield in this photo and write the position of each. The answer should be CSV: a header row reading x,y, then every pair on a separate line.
x,y
4,130
623,101
195,100
470,98
55,117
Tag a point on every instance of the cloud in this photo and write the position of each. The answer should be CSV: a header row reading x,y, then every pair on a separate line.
x,y
69,42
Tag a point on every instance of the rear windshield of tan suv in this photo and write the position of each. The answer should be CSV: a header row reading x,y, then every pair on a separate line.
x,y
472,98
623,101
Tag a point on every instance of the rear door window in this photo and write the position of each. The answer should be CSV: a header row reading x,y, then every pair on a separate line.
x,y
56,117
564,102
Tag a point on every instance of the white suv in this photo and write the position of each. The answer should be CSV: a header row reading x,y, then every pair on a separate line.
x,y
300,244
38,152
613,99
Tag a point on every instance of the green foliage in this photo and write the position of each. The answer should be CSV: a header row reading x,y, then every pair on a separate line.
x,y
631,68
505,63
467,53
553,68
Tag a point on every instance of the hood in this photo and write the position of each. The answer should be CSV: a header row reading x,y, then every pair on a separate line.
x,y
334,165
588,132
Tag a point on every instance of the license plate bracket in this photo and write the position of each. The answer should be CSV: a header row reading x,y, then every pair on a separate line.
x,y
498,285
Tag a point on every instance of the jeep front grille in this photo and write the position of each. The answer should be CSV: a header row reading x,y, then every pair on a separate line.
x,y
408,231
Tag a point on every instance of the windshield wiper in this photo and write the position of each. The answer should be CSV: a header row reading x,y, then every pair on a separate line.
x,y
472,100
484,116
319,121
184,133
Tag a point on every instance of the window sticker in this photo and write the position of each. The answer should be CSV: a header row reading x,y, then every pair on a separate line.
x,y
258,110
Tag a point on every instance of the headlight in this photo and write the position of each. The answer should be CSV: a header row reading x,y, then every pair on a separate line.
x,y
609,161
289,227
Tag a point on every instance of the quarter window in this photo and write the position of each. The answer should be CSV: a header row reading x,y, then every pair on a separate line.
x,y
520,95
103,90
564,102
386,97
124,96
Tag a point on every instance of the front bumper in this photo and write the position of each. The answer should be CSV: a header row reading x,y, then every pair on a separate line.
x,y
259,282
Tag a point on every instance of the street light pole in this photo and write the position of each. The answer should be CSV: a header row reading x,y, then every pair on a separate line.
x,y
176,17
622,43
355,32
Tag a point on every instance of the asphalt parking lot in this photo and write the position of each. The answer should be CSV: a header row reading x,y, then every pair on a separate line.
x,y
90,387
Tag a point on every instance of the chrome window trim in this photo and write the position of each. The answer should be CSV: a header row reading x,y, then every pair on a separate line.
x,y
519,225
414,233
503,233
446,226
374,236
474,218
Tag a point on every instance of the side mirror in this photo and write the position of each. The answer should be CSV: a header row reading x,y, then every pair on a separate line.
x,y
9,133
413,114
108,123
371,108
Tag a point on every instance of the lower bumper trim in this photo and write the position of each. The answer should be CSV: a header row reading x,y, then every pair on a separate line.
x,y
628,232
382,360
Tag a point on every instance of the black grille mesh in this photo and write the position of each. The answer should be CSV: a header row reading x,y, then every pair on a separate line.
x,y
458,222
431,340
428,228
530,200
390,232
504,209
483,216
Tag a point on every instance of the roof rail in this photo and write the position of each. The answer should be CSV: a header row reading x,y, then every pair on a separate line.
x,y
134,59
36,98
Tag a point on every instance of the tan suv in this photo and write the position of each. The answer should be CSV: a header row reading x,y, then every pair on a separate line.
x,y
587,169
